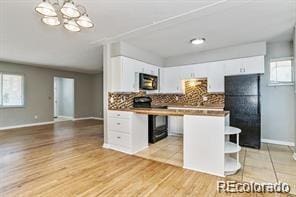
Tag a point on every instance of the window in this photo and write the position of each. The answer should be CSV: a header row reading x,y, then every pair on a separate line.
x,y
11,90
281,71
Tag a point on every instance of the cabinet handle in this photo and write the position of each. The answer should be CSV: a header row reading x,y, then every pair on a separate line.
x,y
118,137
118,114
118,123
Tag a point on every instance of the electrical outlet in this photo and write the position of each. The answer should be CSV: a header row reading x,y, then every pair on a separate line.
x,y
205,98
35,117
294,156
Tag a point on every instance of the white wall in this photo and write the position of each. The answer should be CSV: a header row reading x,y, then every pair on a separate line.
x,y
247,50
127,50
278,102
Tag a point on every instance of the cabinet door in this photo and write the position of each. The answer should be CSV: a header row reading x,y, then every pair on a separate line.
x,y
215,73
253,65
175,125
130,75
116,77
172,80
200,70
187,72
233,67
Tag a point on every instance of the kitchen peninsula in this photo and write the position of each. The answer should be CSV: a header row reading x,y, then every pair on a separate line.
x,y
204,136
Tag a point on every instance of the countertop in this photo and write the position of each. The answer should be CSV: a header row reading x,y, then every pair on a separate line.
x,y
210,106
175,112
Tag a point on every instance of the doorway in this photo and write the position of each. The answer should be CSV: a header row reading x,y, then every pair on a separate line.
x,y
63,99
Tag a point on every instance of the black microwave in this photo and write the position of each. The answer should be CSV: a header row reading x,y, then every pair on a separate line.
x,y
148,82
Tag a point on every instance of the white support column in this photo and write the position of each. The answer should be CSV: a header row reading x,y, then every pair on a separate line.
x,y
294,41
106,79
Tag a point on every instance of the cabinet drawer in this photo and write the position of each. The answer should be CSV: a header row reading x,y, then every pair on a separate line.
x,y
119,124
119,139
120,114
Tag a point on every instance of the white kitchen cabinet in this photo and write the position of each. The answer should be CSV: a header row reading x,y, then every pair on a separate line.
x,y
125,73
253,65
172,80
200,71
127,131
194,71
215,76
150,69
244,66
175,125
187,72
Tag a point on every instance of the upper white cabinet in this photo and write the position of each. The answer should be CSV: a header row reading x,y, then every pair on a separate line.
x,y
215,75
243,66
125,73
171,80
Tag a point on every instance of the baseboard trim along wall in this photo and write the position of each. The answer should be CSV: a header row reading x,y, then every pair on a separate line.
x,y
46,123
26,125
88,118
278,142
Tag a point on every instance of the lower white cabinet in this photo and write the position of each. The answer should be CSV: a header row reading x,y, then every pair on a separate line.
x,y
175,125
127,132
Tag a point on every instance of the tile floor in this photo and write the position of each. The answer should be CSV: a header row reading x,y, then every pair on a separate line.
x,y
273,163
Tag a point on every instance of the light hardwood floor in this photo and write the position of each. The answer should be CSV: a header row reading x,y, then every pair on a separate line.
x,y
66,159
272,163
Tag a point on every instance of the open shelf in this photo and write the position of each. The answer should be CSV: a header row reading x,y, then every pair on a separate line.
x,y
231,166
230,147
231,130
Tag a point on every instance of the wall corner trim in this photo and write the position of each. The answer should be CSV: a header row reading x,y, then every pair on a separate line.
x,y
278,142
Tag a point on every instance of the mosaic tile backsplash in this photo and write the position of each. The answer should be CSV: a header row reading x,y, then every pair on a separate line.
x,y
195,92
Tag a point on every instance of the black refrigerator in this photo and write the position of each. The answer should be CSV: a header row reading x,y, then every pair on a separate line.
x,y
242,99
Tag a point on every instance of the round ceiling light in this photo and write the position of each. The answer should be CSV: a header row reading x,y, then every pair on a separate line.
x,y
70,10
84,21
71,25
197,41
46,9
51,20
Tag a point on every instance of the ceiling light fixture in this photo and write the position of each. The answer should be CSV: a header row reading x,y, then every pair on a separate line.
x,y
51,20
73,16
71,25
197,41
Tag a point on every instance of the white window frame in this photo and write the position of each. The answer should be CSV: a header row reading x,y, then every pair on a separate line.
x,y
23,90
292,72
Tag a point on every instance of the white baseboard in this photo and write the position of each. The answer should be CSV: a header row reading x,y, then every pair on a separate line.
x,y
26,125
175,134
97,118
69,117
107,146
46,123
88,118
278,142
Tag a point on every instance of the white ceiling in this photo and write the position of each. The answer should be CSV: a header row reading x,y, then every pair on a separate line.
x,y
163,27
